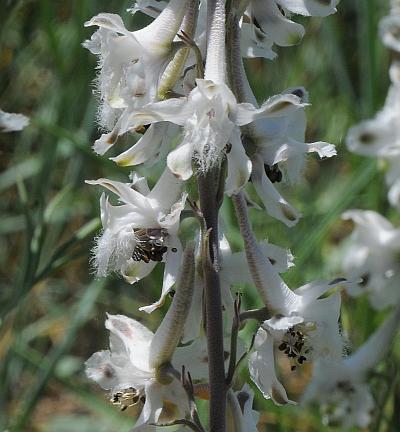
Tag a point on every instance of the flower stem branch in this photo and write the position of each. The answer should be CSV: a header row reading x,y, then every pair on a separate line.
x,y
184,422
234,336
259,315
187,384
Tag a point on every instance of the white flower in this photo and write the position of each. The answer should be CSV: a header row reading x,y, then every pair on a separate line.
x,y
130,65
304,328
141,231
131,368
371,260
271,23
341,388
254,42
389,28
10,122
127,371
380,136
211,117
279,145
241,415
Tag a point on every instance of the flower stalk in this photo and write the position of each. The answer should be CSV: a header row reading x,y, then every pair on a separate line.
x,y
215,342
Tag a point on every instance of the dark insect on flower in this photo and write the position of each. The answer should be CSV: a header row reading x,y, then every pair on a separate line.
x,y
150,244
273,173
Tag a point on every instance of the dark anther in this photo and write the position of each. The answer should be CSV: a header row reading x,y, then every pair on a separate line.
x,y
298,92
273,173
367,138
364,279
142,129
256,23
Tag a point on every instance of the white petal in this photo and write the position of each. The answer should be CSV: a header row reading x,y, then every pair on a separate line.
x,y
274,203
123,191
239,166
171,220
134,271
255,43
275,25
194,357
99,368
109,21
179,161
171,272
115,372
375,348
325,339
145,148
275,106
394,72
394,194
153,405
166,191
280,258
370,221
250,416
389,28
135,337
278,325
172,110
139,183
313,290
151,8
310,7
323,149
10,122
262,369
375,137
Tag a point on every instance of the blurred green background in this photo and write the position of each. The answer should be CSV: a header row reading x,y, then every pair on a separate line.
x,y
53,309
